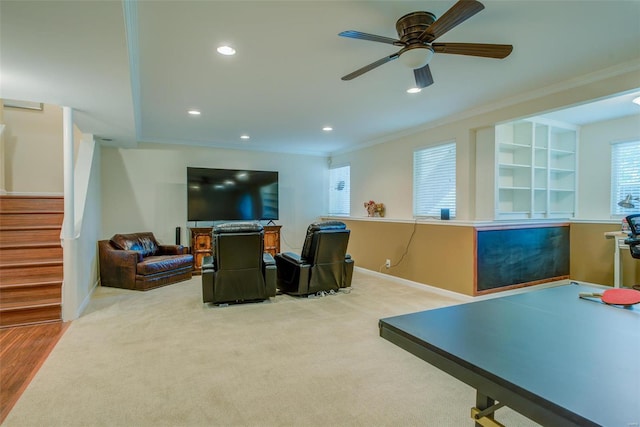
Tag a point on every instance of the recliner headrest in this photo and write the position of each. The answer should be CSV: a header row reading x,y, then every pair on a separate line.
x,y
319,226
326,225
237,227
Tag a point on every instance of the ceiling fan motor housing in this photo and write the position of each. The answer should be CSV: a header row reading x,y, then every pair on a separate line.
x,y
412,25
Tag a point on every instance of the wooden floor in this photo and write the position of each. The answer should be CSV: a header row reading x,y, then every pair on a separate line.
x,y
23,350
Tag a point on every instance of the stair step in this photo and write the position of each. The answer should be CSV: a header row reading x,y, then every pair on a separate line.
x,y
38,263
30,304
30,253
26,293
28,315
21,235
29,218
32,273
51,244
30,227
30,264
31,203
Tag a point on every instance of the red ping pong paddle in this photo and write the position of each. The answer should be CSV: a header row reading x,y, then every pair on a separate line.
x,y
615,296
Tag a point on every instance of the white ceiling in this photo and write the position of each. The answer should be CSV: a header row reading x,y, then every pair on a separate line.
x,y
131,70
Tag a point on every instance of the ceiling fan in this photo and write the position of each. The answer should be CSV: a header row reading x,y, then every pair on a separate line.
x,y
418,31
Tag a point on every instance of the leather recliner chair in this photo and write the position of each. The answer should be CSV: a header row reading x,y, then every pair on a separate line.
x,y
239,269
323,265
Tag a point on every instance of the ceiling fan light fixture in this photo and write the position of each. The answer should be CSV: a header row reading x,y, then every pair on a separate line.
x,y
226,50
416,57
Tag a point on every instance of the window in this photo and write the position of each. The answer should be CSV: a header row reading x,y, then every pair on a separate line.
x,y
434,180
625,178
340,191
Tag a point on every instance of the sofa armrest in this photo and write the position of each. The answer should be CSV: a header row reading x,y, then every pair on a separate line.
x,y
208,278
270,273
171,250
292,257
208,263
347,272
267,259
117,266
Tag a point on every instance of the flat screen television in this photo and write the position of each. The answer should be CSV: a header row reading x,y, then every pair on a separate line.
x,y
231,195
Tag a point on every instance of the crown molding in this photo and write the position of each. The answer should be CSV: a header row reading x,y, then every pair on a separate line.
x,y
589,78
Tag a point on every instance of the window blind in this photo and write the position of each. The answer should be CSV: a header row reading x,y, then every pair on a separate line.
x,y
625,177
340,191
434,180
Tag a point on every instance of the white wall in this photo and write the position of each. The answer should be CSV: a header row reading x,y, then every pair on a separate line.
x,y
33,150
594,163
31,154
145,189
384,172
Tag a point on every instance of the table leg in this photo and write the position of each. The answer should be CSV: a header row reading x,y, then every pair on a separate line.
x,y
484,411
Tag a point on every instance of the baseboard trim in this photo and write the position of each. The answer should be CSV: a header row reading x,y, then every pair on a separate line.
x,y
417,285
462,297
87,299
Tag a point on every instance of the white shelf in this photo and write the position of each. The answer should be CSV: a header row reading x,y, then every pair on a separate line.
x,y
513,165
535,169
513,146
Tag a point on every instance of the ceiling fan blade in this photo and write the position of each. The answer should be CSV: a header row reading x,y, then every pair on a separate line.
x,y
370,67
371,37
457,14
423,77
498,51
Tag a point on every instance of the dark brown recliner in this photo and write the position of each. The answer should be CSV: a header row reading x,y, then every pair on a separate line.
x,y
137,261
324,264
239,270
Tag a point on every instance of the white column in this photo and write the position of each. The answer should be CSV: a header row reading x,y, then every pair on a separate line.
x,y
69,283
68,231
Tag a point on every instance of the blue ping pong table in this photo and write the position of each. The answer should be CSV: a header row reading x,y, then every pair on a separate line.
x,y
547,354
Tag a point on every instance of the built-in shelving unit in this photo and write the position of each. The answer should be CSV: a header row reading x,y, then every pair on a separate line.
x,y
535,169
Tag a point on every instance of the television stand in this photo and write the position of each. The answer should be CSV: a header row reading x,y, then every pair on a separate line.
x,y
201,244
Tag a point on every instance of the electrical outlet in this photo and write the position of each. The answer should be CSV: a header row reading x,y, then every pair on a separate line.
x,y
387,263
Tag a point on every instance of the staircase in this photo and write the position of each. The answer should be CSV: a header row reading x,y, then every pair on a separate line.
x,y
30,260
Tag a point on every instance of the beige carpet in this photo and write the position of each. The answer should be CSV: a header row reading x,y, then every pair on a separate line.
x,y
162,358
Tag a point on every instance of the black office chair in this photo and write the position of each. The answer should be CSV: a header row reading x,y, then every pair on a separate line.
x,y
239,270
634,238
323,266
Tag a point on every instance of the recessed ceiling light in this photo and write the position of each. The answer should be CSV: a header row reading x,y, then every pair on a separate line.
x,y
327,128
636,100
194,112
244,137
226,50
414,90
